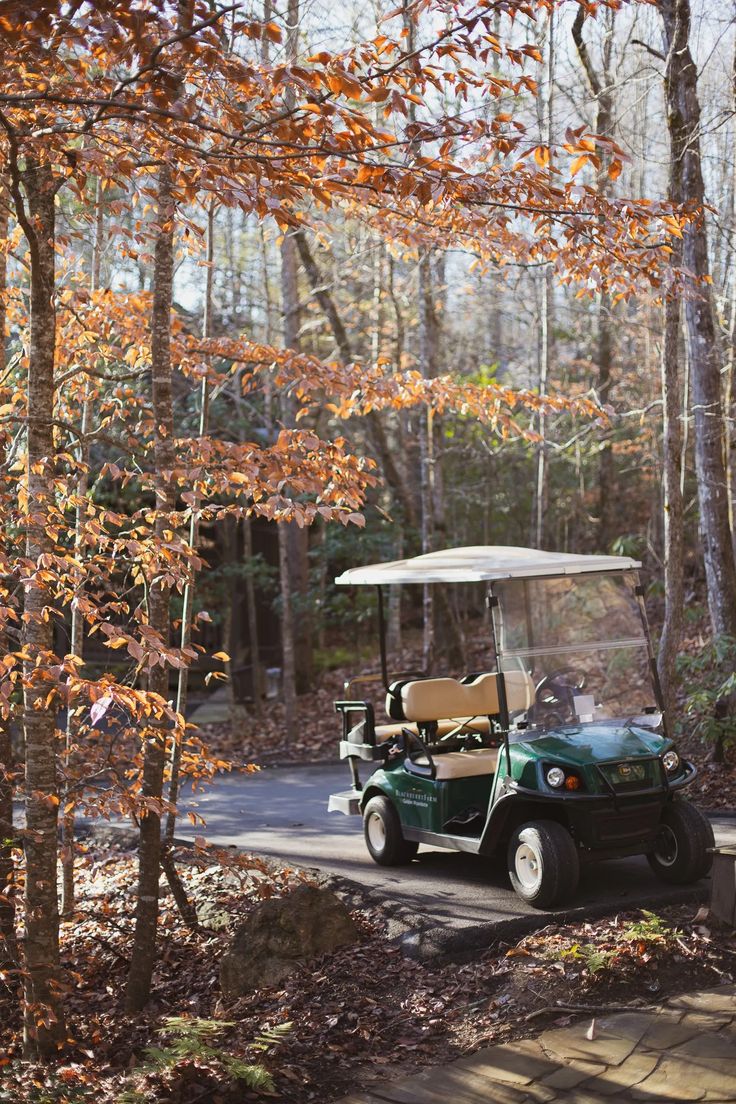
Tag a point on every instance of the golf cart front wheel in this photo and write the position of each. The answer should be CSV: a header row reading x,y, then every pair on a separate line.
x,y
683,851
383,836
543,863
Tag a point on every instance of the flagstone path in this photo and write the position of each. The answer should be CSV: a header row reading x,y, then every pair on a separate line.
x,y
683,1050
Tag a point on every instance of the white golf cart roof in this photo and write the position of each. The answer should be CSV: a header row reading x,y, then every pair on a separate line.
x,y
482,563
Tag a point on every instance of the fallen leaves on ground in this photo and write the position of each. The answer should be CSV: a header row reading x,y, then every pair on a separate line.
x,y
363,1014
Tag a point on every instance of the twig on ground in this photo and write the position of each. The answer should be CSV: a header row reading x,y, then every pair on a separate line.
x,y
597,1009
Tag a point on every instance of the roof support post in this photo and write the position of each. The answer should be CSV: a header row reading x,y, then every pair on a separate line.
x,y
503,706
382,638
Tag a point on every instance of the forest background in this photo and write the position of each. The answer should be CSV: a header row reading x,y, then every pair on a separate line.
x,y
292,287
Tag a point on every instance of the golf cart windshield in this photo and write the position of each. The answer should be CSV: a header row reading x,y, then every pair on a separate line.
x,y
574,649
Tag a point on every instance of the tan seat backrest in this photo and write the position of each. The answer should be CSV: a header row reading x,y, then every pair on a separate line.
x,y
433,699
519,690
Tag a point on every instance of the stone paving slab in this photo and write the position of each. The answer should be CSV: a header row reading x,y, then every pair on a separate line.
x,y
683,1051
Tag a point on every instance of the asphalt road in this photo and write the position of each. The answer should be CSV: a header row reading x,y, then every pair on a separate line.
x,y
282,812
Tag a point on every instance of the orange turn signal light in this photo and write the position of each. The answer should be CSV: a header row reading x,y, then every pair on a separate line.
x,y
572,782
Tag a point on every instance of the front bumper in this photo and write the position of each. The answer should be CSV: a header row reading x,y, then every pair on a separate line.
x,y
609,823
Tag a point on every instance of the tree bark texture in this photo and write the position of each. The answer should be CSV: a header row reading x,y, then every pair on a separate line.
x,y
600,87
7,869
703,350
426,454
182,685
294,561
149,856
252,614
76,642
43,1017
674,536
288,662
541,481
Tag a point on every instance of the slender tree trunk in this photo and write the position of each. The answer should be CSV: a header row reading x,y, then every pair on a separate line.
x,y
426,460
730,398
296,561
253,638
703,349
76,643
230,645
44,1028
288,663
154,751
541,481
76,648
7,830
288,551
674,536
600,88
182,686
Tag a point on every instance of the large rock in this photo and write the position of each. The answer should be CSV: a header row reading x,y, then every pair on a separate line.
x,y
281,934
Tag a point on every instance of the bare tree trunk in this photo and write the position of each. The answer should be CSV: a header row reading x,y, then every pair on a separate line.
x,y
7,830
674,539
228,532
730,397
182,686
297,561
44,1029
154,754
288,674
76,643
253,637
541,480
426,459
288,551
600,88
703,350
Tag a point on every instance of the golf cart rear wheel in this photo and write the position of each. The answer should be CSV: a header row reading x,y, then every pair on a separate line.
x,y
383,836
682,853
543,863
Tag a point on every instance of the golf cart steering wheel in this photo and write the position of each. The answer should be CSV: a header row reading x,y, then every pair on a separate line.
x,y
553,700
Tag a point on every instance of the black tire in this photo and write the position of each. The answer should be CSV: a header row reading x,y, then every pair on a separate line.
x,y
383,836
543,863
683,852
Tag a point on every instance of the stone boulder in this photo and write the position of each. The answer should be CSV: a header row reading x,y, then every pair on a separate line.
x,y
281,934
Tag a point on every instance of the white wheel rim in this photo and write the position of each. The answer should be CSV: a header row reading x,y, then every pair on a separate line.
x,y
666,851
376,830
528,865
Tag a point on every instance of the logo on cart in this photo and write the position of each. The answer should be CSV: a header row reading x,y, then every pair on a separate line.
x,y
417,797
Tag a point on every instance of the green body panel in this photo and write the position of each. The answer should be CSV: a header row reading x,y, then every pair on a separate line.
x,y
584,745
597,820
426,803
585,748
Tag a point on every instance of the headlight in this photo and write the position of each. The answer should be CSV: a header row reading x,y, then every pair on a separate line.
x,y
556,777
671,761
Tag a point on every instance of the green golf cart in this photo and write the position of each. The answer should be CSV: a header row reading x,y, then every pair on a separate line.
x,y
556,755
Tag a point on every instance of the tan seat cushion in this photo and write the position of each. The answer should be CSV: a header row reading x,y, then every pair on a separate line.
x,y
463,726
462,764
